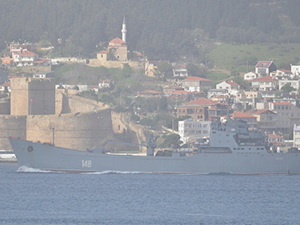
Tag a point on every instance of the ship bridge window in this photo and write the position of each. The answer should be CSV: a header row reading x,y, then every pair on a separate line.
x,y
262,148
242,148
238,148
234,148
257,148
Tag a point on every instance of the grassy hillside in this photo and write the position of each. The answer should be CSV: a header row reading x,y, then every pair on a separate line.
x,y
244,57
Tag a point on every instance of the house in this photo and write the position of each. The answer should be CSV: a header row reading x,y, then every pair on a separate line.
x,y
216,111
247,97
94,88
17,48
296,136
196,84
295,69
44,75
177,93
294,83
287,115
281,74
5,87
276,140
231,86
190,129
104,84
25,58
216,92
180,71
171,88
265,67
294,101
196,109
228,85
151,68
265,83
219,99
42,62
7,61
266,119
250,76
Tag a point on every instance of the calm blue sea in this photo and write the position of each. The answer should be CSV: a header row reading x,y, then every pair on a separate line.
x,y
135,198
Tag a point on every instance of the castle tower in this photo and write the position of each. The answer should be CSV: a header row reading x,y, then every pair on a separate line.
x,y
32,96
124,30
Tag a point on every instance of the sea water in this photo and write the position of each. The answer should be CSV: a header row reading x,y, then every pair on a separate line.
x,y
32,197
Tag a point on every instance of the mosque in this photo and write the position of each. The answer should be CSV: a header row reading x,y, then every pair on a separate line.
x,y
116,54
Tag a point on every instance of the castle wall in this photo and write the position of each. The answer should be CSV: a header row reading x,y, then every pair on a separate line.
x,y
79,131
11,126
31,69
121,124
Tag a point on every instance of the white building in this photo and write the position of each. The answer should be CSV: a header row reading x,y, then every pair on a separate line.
x,y
293,83
180,71
250,76
191,129
25,58
295,69
296,135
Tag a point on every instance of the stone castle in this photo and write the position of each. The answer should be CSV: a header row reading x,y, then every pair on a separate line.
x,y
39,112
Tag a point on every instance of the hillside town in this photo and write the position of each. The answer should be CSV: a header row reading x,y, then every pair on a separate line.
x,y
269,102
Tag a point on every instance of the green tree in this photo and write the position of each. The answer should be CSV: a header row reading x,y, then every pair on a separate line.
x,y
287,88
165,69
193,70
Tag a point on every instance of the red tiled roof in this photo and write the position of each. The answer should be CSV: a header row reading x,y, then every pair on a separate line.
x,y
264,64
201,101
5,84
195,79
139,54
232,83
241,115
282,103
103,52
285,71
177,92
41,60
180,66
274,136
117,40
25,53
265,78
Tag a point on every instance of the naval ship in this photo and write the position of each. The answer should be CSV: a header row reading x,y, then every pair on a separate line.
x,y
232,148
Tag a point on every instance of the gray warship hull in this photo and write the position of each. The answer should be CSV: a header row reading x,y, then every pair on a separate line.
x,y
49,157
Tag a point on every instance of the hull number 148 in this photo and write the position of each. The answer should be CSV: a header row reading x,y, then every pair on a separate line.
x,y
86,163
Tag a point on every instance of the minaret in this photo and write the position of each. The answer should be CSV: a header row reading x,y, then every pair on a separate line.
x,y
124,30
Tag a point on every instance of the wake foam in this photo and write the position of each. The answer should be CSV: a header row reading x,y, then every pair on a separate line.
x,y
116,172
25,169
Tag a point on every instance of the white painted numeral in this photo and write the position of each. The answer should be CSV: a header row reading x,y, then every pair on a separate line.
x,y
86,163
